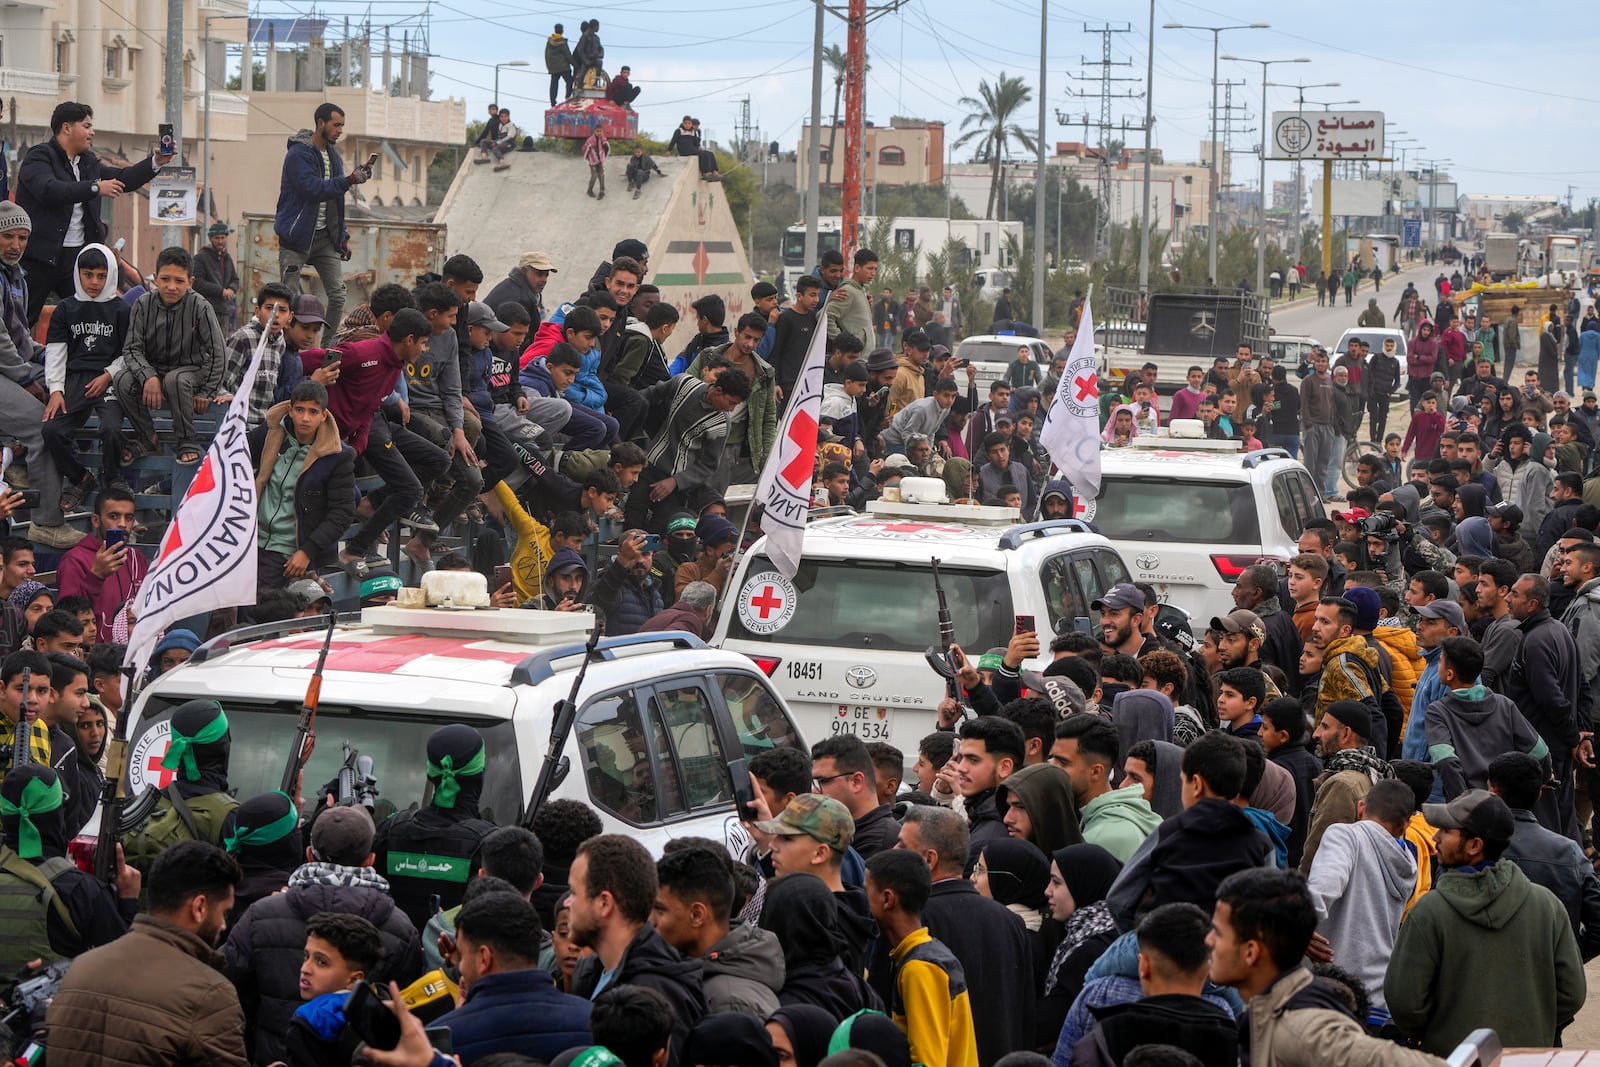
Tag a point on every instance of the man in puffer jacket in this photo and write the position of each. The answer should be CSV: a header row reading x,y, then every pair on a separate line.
x,y
266,948
625,592
309,221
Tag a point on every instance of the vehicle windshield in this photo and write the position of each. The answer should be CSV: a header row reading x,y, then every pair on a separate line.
x,y
396,739
794,245
888,606
1145,508
998,351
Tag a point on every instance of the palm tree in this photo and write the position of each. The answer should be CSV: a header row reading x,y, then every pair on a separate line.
x,y
991,115
836,59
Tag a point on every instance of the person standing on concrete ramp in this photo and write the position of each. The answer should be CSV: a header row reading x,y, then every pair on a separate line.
x,y
310,217
558,63
596,150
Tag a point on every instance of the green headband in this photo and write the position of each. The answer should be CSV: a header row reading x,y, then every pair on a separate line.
x,y
841,1034
447,772
276,830
180,751
596,1056
37,798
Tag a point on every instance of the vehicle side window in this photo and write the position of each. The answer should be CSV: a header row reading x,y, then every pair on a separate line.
x,y
1089,588
1310,498
1111,568
1061,593
1285,494
684,724
757,716
616,758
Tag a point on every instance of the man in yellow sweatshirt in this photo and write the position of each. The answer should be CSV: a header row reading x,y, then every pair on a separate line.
x,y
930,1001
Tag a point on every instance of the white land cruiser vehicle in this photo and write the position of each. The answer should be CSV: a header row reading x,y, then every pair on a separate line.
x,y
1189,514
844,642
660,715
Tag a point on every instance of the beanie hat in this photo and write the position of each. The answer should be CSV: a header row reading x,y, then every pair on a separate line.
x,y
12,217
1368,606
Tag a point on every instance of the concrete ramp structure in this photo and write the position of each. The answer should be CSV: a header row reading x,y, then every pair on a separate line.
x,y
540,205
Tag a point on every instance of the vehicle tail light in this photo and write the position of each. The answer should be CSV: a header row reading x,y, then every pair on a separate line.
x,y
1231,565
768,664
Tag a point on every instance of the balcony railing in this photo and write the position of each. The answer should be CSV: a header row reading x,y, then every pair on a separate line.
x,y
35,82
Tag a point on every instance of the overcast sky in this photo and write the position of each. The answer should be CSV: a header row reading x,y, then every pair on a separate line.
x,y
1468,87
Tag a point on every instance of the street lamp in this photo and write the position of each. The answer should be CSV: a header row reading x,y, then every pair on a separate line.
x,y
1261,213
1216,33
1433,166
497,66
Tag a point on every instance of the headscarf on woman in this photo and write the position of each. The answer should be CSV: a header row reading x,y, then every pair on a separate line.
x,y
1018,873
809,1029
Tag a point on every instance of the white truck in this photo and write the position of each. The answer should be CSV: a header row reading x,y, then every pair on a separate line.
x,y
985,241
1500,255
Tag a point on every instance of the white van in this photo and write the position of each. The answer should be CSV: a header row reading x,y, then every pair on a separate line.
x,y
660,718
844,642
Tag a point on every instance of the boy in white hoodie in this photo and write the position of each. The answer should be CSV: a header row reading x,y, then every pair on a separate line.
x,y
85,339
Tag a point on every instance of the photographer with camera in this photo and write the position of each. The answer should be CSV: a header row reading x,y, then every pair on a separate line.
x,y
1397,546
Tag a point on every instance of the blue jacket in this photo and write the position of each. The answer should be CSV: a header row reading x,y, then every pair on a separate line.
x,y
586,390
1414,745
536,376
520,1012
302,188
475,379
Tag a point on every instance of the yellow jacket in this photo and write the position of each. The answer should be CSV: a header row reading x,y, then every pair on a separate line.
x,y
1401,644
930,1002
533,552
1420,833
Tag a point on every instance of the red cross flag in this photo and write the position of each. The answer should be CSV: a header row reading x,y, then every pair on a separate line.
x,y
785,485
208,555
1071,432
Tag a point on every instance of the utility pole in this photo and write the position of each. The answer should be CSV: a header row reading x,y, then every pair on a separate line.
x,y
1105,94
173,235
1261,216
813,189
1039,183
1223,150
1149,126
854,117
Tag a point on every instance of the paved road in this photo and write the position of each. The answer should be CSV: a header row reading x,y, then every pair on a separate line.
x,y
1326,324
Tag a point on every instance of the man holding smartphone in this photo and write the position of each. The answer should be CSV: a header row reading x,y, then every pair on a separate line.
x,y
103,566
59,185
310,216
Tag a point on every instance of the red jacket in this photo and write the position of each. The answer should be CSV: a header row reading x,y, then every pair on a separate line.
x,y
368,371
1426,428
75,577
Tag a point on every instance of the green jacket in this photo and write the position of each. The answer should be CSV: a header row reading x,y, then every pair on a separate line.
x,y
761,414
1485,949
853,314
1118,821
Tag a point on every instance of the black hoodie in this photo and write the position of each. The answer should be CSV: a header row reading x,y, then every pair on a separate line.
x,y
1187,858
1187,1022
650,962
806,918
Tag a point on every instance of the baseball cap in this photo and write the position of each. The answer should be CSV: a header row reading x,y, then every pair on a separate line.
x,y
814,815
481,314
896,461
1352,515
309,590
564,560
308,308
1121,595
536,261
1369,607
938,352
1448,610
343,832
1240,621
1477,813
1354,714
1062,692
1005,417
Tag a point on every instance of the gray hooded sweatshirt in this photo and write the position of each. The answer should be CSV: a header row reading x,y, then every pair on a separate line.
x,y
1360,882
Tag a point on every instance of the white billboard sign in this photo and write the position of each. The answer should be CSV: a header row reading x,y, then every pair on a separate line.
x,y
1327,135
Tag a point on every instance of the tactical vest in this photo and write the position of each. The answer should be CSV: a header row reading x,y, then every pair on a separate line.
x,y
168,825
422,861
27,893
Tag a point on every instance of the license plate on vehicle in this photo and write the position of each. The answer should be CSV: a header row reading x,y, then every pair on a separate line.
x,y
867,723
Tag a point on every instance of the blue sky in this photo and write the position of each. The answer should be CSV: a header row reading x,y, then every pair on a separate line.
x,y
1468,87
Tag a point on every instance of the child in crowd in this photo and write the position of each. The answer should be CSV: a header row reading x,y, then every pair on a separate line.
x,y
86,335
341,950
1427,427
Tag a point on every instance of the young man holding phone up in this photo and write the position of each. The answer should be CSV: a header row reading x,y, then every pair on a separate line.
x,y
310,216
104,567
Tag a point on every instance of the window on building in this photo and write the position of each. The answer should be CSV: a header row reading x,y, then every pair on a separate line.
x,y
824,156
892,157
2,50
63,57
113,62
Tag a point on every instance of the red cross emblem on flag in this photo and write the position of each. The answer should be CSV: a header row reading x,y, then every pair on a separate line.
x,y
803,434
1087,386
767,601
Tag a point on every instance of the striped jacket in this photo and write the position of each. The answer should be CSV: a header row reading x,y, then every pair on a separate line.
x,y
689,445
162,339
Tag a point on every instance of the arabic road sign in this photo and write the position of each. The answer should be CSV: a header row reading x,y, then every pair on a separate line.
x,y
1327,135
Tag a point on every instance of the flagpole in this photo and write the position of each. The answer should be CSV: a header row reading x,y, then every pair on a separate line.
x,y
1038,504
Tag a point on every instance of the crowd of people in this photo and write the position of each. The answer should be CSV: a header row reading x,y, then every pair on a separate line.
x,y
1351,820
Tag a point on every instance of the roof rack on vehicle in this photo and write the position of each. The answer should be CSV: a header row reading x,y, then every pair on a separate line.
x,y
540,666
832,511
223,642
1012,539
1252,460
